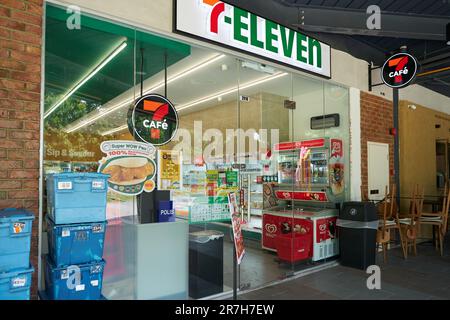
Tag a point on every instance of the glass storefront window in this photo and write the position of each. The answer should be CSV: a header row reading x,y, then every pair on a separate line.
x,y
244,128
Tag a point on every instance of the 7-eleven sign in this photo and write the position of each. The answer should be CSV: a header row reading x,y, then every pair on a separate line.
x,y
153,120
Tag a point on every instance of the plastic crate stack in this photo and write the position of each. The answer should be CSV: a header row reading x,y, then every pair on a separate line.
x,y
15,244
76,225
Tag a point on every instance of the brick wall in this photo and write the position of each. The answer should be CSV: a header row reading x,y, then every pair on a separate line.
x,y
20,76
376,120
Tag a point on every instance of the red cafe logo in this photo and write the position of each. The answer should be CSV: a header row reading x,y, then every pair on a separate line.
x,y
323,227
153,119
399,70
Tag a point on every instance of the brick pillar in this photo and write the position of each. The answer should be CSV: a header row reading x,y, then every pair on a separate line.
x,y
377,118
20,84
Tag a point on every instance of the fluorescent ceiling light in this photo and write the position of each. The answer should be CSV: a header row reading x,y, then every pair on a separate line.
x,y
111,56
229,91
160,85
211,97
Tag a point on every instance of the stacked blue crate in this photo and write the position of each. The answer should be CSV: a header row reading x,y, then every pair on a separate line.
x,y
15,244
76,225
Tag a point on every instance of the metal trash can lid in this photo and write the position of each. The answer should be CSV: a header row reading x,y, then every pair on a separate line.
x,y
205,236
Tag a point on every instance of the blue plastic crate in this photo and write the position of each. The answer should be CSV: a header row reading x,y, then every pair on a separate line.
x,y
16,284
15,239
75,243
75,282
77,197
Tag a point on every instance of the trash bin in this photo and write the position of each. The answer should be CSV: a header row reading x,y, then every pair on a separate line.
x,y
205,263
358,224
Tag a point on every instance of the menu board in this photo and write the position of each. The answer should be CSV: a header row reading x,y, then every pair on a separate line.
x,y
169,170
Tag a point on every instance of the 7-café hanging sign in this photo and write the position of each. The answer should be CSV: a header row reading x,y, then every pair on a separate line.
x,y
230,26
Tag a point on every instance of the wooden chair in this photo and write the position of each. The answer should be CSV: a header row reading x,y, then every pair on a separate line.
x,y
438,220
389,221
409,223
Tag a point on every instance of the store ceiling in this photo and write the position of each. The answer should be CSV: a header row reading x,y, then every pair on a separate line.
x,y
72,54
417,24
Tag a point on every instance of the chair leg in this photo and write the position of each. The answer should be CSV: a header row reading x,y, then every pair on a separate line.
x,y
384,252
415,247
441,243
401,242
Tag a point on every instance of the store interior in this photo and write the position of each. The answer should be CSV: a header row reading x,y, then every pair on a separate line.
x,y
242,127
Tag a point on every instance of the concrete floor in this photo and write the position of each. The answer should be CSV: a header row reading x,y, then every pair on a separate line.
x,y
422,277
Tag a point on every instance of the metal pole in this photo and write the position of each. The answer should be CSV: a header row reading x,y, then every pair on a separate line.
x,y
165,74
396,144
235,264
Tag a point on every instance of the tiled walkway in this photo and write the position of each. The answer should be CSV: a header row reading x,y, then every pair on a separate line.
x,y
425,276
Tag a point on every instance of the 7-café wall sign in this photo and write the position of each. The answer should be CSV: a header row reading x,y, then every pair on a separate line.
x,y
231,26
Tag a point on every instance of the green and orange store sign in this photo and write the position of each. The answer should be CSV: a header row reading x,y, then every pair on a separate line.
x,y
230,26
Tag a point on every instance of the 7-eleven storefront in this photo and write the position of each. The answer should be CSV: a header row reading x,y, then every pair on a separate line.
x,y
273,116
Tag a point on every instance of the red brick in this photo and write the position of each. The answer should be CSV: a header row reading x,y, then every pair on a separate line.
x,y
25,76
32,106
33,87
22,194
40,2
21,134
12,44
4,73
34,8
5,33
32,145
11,124
10,204
33,50
27,96
13,65
4,93
24,115
26,37
24,57
33,68
30,184
12,84
11,144
31,164
4,114
23,174
10,164
11,24
4,53
16,4
5,12
10,184
11,104
32,205
3,154
31,125
26,17
22,154
2,133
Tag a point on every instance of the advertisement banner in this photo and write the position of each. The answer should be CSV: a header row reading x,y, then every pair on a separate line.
x,y
169,170
131,166
237,229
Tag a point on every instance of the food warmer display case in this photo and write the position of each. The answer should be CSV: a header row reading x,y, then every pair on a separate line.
x,y
310,185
